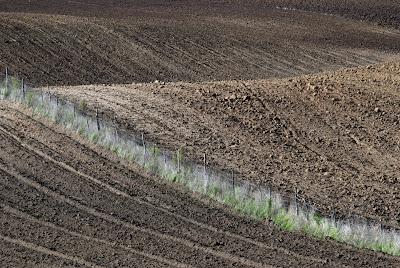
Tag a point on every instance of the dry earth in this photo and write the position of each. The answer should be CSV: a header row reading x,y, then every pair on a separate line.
x,y
65,203
142,42
334,136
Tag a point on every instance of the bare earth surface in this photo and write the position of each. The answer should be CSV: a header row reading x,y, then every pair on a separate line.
x,y
334,136
384,12
142,42
66,204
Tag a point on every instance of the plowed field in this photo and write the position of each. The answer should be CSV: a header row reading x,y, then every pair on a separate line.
x,y
193,44
240,87
333,136
65,203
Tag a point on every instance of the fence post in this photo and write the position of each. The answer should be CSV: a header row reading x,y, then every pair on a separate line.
x,y
97,119
23,88
179,161
116,135
233,182
248,190
204,163
260,192
6,79
144,150
269,192
154,154
295,200
205,171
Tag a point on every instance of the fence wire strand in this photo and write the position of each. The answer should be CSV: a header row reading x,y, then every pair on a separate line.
x,y
259,201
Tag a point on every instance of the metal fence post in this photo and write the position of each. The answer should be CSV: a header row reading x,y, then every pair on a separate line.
x,y
260,192
154,154
165,160
205,171
295,200
179,161
23,88
144,150
116,135
97,119
233,182
6,79
204,163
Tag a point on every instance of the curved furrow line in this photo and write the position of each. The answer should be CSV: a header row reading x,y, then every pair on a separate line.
x,y
47,251
28,217
115,220
152,42
123,194
51,32
13,255
29,200
113,190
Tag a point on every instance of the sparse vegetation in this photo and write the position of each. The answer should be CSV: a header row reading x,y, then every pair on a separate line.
x,y
175,169
83,105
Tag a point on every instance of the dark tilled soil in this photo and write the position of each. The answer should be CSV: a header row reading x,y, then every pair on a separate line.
x,y
385,12
179,42
333,136
69,204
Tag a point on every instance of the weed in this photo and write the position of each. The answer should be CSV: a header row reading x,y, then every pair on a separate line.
x,y
29,99
7,93
83,105
317,218
94,137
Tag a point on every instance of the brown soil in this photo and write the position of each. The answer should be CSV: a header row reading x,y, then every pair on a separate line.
x,y
150,41
385,12
333,136
65,203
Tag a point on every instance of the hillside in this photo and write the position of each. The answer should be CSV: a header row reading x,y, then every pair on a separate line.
x,y
334,136
65,203
170,45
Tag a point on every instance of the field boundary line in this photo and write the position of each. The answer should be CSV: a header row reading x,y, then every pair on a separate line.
x,y
140,201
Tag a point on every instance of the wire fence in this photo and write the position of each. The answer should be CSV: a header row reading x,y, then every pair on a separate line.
x,y
290,212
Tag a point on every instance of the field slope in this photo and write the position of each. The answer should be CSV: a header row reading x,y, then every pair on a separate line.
x,y
292,94
333,136
196,43
66,203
